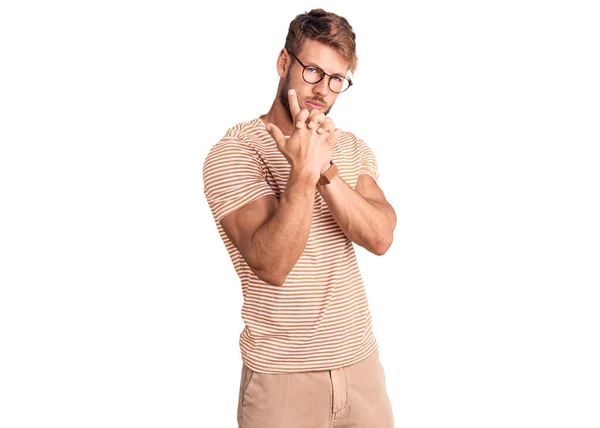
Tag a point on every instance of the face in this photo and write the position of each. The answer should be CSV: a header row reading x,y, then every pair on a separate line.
x,y
311,96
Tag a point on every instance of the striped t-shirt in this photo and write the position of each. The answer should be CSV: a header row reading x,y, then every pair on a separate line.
x,y
319,319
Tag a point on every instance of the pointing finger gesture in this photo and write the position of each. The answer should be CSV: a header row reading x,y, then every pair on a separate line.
x,y
293,101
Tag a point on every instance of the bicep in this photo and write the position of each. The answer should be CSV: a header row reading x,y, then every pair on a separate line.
x,y
240,225
237,192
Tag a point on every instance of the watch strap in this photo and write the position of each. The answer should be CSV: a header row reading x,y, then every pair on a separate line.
x,y
328,175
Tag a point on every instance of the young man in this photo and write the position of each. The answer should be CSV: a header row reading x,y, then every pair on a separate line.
x,y
290,193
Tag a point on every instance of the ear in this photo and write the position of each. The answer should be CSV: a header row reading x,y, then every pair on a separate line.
x,y
283,63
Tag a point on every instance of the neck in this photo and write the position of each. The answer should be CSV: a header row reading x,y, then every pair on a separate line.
x,y
279,117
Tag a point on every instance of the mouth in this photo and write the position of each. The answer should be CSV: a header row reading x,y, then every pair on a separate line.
x,y
313,105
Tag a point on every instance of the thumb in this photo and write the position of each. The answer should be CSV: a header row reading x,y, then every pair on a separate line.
x,y
276,134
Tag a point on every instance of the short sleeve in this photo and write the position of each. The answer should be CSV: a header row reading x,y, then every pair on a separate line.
x,y
368,163
234,175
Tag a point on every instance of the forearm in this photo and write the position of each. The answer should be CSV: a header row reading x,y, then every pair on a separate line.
x,y
367,223
279,243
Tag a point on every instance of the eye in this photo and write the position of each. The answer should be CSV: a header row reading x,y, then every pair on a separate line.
x,y
311,69
336,78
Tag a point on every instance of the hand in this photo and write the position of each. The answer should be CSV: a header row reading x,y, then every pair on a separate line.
x,y
317,118
324,124
307,150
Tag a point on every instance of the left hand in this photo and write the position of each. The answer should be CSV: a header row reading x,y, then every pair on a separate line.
x,y
325,124
316,118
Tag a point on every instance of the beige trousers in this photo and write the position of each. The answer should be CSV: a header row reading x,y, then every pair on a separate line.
x,y
353,396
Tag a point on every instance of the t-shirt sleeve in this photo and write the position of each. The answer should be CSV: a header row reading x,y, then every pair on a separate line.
x,y
234,175
368,163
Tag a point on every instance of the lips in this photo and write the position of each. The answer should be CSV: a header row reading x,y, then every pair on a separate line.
x,y
314,105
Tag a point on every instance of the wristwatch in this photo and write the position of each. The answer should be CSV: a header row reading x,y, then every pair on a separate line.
x,y
328,175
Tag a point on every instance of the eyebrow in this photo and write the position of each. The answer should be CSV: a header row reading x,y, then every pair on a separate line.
x,y
335,73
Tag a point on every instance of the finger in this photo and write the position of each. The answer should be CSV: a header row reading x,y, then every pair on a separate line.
x,y
315,119
293,101
301,118
334,137
326,126
276,134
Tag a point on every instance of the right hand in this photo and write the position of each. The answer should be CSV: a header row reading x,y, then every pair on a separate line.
x,y
306,150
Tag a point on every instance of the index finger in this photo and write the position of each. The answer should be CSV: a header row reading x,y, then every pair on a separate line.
x,y
293,100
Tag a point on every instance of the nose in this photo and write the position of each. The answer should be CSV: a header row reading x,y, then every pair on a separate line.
x,y
321,88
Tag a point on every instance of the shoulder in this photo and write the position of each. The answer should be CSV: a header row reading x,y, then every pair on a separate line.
x,y
236,151
245,130
351,141
348,137
237,141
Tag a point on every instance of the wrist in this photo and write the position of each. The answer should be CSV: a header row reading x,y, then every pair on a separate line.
x,y
330,173
306,176
325,167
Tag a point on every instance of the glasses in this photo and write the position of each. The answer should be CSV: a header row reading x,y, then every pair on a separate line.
x,y
313,74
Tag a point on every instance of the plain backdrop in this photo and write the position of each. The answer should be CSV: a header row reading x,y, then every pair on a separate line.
x,y
119,306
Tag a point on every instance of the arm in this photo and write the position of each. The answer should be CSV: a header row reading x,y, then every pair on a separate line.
x,y
363,214
270,234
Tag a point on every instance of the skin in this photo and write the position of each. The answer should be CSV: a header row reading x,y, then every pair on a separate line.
x,y
290,74
271,234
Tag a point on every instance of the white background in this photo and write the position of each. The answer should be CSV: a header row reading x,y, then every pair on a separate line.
x,y
119,306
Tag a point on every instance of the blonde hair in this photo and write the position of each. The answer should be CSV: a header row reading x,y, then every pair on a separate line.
x,y
324,27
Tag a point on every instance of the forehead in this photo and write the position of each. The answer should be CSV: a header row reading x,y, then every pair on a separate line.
x,y
330,60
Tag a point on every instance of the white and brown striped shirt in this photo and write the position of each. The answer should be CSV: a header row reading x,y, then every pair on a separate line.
x,y
319,319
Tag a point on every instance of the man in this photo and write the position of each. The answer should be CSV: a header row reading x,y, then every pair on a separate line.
x,y
290,193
